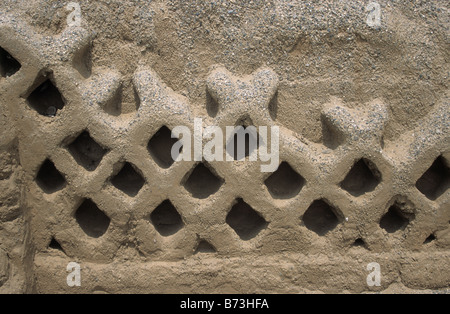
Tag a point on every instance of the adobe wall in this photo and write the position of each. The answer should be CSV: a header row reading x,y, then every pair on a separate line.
x,y
88,102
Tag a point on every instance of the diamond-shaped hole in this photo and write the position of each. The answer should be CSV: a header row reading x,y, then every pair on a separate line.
x,y
8,64
166,219
249,139
160,147
362,178
128,180
49,179
46,99
205,247
86,151
202,182
395,219
245,221
91,219
320,217
436,180
285,182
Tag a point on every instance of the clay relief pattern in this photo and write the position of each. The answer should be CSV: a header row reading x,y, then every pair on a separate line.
x,y
98,180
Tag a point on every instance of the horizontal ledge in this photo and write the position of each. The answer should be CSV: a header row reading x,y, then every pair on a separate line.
x,y
283,273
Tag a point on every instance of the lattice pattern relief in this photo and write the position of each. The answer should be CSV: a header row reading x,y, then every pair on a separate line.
x,y
98,181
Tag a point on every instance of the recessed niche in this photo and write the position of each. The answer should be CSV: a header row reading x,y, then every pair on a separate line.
x,y
202,182
160,147
55,245
205,247
86,151
395,219
46,99
129,180
285,182
320,217
245,221
362,178
91,219
49,179
166,219
244,141
359,243
436,180
8,64
431,238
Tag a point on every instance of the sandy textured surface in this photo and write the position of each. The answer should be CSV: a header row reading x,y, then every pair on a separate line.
x,y
86,175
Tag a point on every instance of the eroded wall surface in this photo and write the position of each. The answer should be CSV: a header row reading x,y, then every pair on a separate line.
x,y
89,94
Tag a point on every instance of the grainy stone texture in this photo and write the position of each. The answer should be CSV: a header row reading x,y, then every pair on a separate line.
x,y
85,118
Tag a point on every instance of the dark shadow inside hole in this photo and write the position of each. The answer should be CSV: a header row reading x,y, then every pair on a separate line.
x,y
46,99
359,243
202,182
8,64
160,147
128,180
243,143
205,247
55,245
166,219
284,183
394,220
49,179
212,107
245,221
92,220
430,239
362,178
436,180
86,151
320,218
